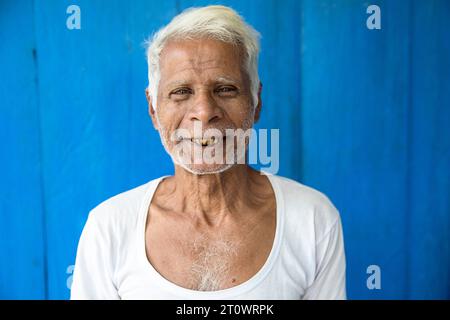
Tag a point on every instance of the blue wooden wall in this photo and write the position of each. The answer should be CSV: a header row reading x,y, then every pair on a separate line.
x,y
363,115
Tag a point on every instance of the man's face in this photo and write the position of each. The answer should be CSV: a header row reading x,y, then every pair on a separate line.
x,y
203,85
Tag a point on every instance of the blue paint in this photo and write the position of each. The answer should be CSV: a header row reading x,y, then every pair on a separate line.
x,y
22,208
429,186
363,116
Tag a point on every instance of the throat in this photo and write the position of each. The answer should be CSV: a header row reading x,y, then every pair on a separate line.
x,y
211,197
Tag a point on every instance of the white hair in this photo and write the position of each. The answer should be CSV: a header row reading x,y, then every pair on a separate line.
x,y
214,22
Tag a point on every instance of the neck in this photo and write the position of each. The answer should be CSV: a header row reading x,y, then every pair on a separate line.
x,y
212,197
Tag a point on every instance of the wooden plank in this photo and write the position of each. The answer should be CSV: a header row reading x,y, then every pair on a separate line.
x,y
354,132
148,159
429,167
22,254
88,79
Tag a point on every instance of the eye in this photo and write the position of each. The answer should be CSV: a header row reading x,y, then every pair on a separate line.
x,y
181,91
226,90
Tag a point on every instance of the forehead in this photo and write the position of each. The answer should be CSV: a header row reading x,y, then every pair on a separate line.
x,y
200,57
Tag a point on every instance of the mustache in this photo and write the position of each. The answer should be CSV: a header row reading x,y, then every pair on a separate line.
x,y
206,133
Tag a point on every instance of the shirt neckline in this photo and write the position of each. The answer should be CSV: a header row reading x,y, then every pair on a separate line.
x,y
217,294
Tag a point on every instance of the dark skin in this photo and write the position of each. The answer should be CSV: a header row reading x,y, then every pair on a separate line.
x,y
203,80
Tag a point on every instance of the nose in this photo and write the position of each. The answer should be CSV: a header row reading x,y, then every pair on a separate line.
x,y
205,109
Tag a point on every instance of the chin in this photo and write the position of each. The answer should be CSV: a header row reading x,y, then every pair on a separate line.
x,y
203,169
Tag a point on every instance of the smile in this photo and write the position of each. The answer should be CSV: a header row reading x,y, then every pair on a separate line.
x,y
204,142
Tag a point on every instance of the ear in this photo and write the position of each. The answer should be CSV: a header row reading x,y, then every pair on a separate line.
x,y
259,104
151,110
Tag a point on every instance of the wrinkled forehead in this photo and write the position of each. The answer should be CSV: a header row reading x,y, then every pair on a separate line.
x,y
201,58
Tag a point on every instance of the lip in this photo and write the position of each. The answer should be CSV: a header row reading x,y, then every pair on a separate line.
x,y
204,142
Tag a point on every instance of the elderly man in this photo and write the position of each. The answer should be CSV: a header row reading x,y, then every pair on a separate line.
x,y
216,229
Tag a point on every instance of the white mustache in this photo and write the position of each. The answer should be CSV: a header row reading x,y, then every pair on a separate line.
x,y
207,135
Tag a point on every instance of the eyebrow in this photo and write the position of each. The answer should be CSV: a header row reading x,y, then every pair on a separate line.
x,y
226,79
184,82
177,83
